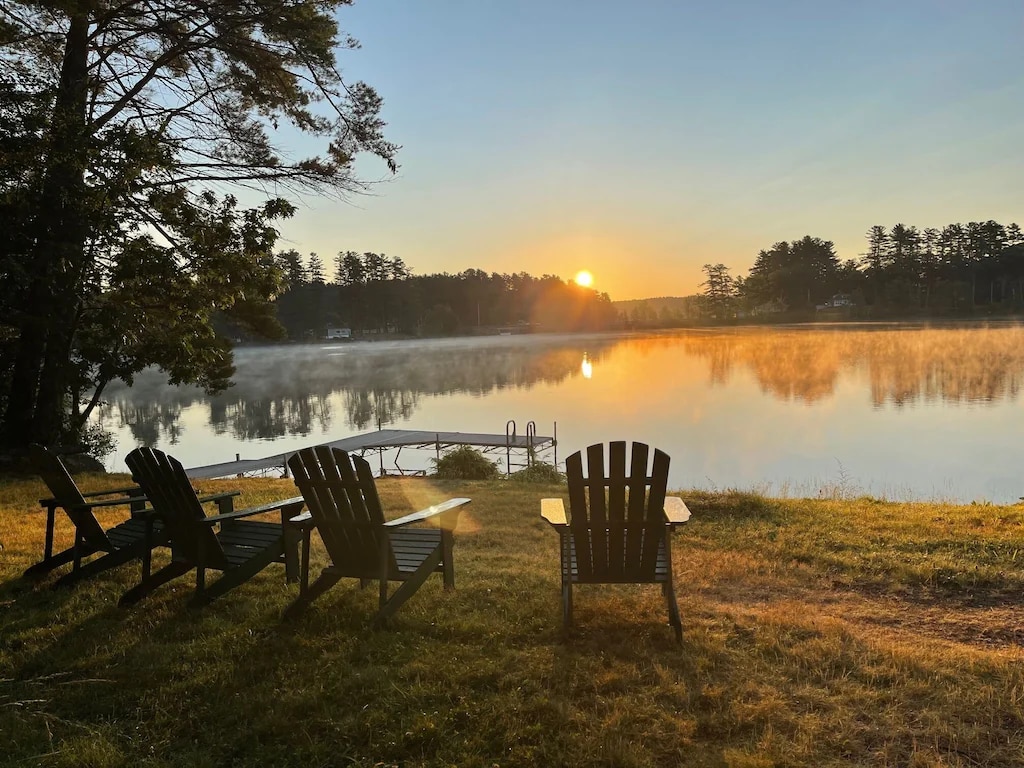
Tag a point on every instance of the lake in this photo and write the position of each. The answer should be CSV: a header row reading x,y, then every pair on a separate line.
x,y
898,412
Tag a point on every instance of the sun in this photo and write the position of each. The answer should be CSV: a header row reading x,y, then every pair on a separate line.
x,y
584,278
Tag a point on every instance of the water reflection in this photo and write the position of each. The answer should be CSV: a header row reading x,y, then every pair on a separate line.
x,y
283,391
288,391
148,420
744,408
980,364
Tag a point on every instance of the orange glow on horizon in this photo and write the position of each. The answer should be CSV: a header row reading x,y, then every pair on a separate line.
x,y
638,267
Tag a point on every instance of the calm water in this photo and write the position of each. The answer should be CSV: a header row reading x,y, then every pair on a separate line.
x,y
927,413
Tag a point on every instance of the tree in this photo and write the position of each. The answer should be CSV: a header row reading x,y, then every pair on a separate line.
x,y
901,266
295,273
375,266
800,273
398,269
874,260
719,290
316,270
350,269
120,118
155,310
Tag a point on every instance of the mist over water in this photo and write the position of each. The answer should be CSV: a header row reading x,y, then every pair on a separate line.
x,y
896,412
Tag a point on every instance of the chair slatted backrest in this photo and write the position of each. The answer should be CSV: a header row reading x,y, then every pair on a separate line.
x,y
65,492
617,520
341,495
163,480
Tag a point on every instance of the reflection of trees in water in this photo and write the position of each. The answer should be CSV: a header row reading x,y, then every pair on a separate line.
x,y
286,390
365,408
721,359
790,366
957,364
147,420
902,366
268,418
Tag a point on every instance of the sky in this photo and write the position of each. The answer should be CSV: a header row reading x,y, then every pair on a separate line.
x,y
641,140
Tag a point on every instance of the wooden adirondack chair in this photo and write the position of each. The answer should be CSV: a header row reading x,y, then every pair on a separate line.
x,y
126,541
619,526
344,507
225,542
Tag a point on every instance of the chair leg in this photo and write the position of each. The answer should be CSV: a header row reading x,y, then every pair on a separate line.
x,y
304,563
234,577
147,562
673,610
326,580
293,541
81,550
111,560
408,587
447,564
47,564
161,577
51,511
383,560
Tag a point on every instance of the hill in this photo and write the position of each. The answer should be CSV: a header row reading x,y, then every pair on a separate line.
x,y
659,308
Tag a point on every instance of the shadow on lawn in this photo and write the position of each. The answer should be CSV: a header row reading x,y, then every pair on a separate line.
x,y
81,673
230,683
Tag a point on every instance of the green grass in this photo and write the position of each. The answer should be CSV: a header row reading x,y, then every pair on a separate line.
x,y
816,633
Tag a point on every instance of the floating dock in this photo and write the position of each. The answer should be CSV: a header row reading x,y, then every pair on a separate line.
x,y
395,439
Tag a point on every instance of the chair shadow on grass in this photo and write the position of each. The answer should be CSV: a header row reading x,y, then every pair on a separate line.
x,y
105,671
73,663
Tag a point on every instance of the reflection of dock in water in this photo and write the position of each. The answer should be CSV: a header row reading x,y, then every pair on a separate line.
x,y
518,449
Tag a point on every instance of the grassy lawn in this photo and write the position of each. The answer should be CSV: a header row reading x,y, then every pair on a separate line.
x,y
816,633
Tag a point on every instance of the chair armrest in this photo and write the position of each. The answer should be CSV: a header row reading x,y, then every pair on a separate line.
x,y
426,514
51,502
676,511
553,511
270,507
303,521
115,502
130,490
218,496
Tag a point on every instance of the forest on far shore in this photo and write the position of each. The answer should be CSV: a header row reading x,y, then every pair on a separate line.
x,y
372,294
958,270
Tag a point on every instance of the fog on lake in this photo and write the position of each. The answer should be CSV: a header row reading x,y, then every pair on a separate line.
x,y
894,412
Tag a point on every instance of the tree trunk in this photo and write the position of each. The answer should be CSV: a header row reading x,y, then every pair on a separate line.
x,y
36,407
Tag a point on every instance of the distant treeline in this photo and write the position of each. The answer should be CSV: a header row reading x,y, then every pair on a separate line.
x,y
959,269
371,293
905,270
